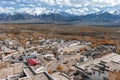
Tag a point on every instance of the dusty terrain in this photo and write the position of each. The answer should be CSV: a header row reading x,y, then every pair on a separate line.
x,y
98,35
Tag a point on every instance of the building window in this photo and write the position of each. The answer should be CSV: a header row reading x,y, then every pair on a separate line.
x,y
99,73
105,78
93,72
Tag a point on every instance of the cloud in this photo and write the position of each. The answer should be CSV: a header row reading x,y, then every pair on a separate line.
x,y
1,9
74,3
71,6
51,2
6,2
79,3
29,5
6,10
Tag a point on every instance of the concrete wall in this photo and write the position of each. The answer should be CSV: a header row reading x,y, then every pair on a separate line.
x,y
96,75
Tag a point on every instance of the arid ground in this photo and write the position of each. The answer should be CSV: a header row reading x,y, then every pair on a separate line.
x,y
96,34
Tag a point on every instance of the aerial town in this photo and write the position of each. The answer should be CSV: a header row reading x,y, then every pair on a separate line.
x,y
26,58
59,39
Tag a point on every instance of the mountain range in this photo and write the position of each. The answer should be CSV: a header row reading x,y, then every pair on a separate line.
x,y
110,16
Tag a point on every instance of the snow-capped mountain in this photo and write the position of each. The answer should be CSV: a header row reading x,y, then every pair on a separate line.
x,y
46,9
48,15
39,11
112,11
115,12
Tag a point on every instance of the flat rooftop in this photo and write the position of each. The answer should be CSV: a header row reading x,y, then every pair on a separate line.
x,y
11,70
40,76
107,58
58,76
74,47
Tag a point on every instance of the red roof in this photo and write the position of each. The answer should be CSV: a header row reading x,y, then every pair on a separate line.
x,y
32,61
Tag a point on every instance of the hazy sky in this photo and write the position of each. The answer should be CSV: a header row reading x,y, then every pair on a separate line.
x,y
76,6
